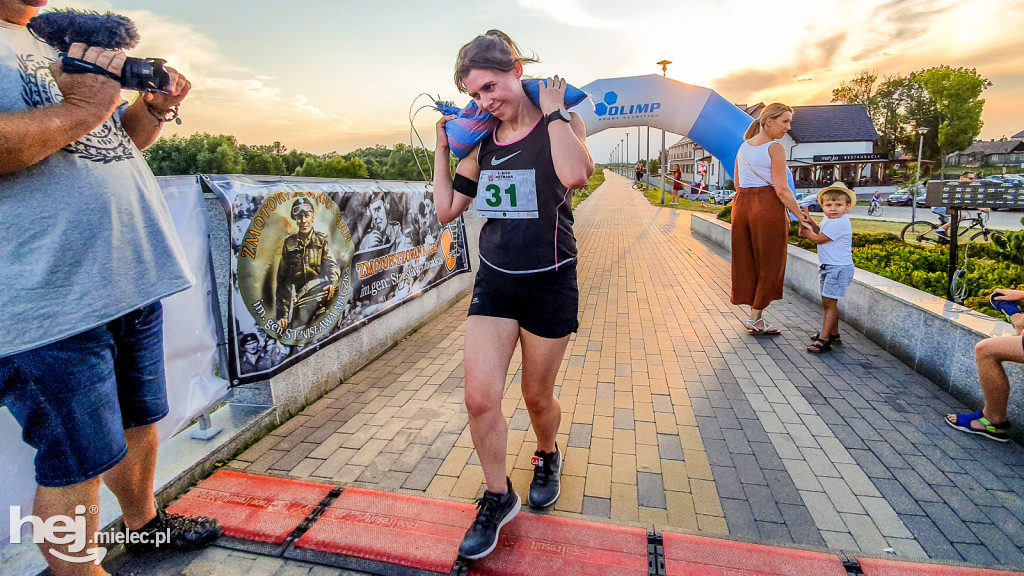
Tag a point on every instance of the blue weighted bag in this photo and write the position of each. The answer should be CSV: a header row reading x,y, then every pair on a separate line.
x,y
473,124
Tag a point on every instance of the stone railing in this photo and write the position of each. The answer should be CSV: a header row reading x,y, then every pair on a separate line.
x,y
933,336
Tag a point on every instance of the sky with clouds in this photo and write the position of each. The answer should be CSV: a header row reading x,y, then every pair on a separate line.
x,y
338,75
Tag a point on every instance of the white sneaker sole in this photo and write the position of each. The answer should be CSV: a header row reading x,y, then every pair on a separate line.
x,y
497,533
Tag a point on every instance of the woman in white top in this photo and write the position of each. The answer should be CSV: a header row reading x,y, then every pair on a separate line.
x,y
760,225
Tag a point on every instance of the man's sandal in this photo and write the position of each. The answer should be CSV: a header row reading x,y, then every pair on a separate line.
x,y
819,346
761,327
996,432
834,339
1007,307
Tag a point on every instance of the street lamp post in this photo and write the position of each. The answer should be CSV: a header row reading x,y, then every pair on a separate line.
x,y
621,158
664,72
917,179
627,148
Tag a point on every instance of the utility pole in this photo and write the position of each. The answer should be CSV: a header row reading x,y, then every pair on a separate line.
x,y
664,72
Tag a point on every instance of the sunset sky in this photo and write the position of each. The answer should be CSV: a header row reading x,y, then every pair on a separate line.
x,y
339,75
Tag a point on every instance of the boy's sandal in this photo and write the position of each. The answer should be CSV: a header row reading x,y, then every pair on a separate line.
x,y
996,432
834,339
761,327
819,346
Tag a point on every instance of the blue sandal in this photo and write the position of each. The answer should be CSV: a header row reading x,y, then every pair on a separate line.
x,y
996,432
1007,307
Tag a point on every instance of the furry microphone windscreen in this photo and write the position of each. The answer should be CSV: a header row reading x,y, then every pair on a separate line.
x,y
62,28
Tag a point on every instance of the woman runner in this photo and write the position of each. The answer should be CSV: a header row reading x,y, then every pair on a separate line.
x,y
525,290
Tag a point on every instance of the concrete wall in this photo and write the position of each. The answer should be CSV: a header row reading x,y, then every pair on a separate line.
x,y
933,336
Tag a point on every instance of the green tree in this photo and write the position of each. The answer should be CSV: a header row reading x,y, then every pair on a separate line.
x,y
860,90
655,166
402,163
195,154
264,162
957,96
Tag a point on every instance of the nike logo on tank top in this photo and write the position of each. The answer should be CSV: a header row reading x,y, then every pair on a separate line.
x,y
528,210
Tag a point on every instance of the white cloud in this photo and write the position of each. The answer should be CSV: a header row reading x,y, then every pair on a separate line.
x,y
567,12
225,97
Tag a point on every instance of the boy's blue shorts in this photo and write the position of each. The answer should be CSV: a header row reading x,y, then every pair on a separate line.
x,y
835,279
74,398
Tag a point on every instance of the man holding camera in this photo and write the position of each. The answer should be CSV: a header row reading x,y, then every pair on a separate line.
x,y
88,250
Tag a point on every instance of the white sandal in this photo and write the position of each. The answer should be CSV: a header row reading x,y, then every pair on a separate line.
x,y
765,328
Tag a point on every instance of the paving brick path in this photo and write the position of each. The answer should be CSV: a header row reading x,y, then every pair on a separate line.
x,y
674,417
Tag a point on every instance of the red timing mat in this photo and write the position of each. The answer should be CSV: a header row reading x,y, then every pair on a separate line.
x,y
534,544
873,567
410,531
699,556
256,508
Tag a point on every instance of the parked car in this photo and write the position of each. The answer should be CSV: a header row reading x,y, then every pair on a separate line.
x,y
809,201
723,198
899,199
991,182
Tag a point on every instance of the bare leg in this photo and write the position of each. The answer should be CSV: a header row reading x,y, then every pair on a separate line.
x,y
755,314
490,343
541,360
132,479
51,502
830,325
1017,321
995,386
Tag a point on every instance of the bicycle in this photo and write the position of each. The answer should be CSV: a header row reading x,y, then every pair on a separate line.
x,y
875,210
923,232
638,185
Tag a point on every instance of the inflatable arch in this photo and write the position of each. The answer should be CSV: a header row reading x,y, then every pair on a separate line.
x,y
659,102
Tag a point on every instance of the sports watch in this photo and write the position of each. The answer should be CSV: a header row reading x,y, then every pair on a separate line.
x,y
559,114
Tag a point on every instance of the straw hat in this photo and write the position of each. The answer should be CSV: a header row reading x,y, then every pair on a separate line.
x,y
839,187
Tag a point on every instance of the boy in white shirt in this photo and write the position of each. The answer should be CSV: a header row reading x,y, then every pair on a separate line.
x,y
834,237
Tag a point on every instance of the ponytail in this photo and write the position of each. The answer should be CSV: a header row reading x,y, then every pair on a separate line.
x,y
752,130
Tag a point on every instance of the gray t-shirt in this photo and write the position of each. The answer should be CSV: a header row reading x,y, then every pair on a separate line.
x,y
85,235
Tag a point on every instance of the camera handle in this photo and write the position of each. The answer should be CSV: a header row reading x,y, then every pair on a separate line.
x,y
77,66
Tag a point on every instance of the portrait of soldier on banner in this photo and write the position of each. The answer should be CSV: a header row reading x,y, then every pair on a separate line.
x,y
382,231
294,267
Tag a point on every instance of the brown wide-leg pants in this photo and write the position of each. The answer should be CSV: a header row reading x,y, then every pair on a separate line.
x,y
760,230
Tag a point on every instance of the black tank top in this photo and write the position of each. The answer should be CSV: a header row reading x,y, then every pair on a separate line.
x,y
532,244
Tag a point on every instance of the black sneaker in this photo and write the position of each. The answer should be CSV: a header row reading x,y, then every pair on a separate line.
x,y
547,470
173,532
493,512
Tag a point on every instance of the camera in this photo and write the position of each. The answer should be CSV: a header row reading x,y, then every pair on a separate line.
x,y
141,74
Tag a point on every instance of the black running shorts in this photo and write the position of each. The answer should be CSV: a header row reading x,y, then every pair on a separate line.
x,y
545,304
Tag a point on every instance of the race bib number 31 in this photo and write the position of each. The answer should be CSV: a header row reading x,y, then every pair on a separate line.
x,y
507,194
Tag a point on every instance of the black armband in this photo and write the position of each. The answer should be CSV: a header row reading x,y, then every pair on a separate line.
x,y
464,186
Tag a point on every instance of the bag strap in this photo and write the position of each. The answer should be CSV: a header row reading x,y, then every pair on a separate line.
x,y
767,183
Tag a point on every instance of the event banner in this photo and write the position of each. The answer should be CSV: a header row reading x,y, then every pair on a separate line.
x,y
313,259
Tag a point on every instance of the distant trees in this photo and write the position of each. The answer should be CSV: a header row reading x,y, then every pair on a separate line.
x,y
222,154
943,99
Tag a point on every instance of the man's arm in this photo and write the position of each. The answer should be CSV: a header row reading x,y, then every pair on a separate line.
x,y
27,138
141,119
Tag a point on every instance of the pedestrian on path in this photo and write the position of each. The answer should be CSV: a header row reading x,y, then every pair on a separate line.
x,y
834,238
760,226
525,290
990,353
677,184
